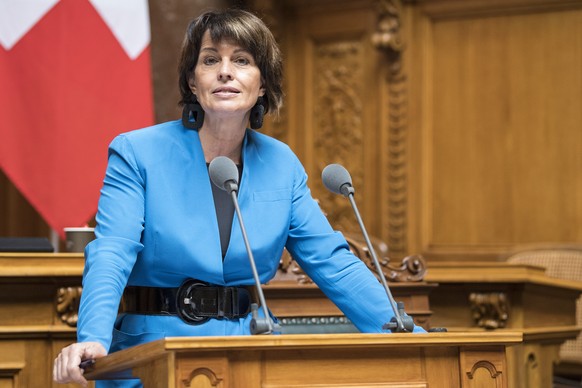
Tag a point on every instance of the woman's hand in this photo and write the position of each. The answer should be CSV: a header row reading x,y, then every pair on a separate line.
x,y
66,367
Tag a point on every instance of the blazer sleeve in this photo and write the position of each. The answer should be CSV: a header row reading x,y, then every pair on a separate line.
x,y
109,259
325,256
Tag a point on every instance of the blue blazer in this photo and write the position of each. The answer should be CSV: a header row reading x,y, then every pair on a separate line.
x,y
157,226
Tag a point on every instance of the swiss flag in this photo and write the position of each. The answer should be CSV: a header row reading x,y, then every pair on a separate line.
x,y
73,74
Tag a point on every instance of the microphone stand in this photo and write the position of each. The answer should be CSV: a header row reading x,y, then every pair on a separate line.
x,y
396,324
258,325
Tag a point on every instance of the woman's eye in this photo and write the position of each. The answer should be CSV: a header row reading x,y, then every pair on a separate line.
x,y
242,61
209,60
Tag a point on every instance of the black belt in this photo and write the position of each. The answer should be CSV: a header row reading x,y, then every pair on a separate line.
x,y
194,301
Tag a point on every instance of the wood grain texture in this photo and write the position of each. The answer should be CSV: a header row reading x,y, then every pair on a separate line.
x,y
341,360
501,132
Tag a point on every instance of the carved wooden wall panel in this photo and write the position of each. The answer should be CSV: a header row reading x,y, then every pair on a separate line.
x,y
499,93
335,82
337,133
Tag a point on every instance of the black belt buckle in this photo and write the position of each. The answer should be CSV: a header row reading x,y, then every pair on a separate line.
x,y
188,310
197,302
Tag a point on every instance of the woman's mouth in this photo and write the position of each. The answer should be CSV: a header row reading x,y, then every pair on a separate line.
x,y
226,91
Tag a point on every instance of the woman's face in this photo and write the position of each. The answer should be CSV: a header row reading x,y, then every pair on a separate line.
x,y
226,80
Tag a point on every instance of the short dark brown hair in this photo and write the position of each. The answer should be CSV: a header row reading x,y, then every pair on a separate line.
x,y
248,31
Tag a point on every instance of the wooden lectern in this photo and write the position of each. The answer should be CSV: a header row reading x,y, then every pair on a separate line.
x,y
445,360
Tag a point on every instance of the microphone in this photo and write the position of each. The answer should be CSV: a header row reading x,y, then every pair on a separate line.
x,y
338,180
224,174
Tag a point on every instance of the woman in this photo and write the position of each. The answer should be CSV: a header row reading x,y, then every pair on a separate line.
x,y
162,224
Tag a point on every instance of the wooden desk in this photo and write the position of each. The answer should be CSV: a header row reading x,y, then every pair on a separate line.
x,y
39,300
332,360
494,297
39,295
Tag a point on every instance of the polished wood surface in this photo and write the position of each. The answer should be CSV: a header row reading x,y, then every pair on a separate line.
x,y
32,329
23,265
331,360
288,295
39,300
536,299
492,297
40,294
459,271
499,91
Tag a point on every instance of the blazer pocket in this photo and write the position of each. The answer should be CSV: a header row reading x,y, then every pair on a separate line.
x,y
272,195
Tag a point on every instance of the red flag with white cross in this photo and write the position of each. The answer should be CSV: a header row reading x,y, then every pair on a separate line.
x,y
73,74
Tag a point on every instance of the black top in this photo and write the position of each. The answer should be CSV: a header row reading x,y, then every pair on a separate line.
x,y
224,212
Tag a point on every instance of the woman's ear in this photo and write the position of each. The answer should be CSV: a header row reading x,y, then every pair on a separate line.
x,y
192,84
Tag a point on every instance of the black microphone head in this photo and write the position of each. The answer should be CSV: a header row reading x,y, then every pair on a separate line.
x,y
224,173
337,179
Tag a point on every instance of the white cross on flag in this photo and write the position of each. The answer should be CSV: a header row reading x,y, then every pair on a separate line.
x,y
73,74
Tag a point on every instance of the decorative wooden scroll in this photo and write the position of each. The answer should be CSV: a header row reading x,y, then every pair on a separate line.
x,y
388,35
411,269
68,299
489,310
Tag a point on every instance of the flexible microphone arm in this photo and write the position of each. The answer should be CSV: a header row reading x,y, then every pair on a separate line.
x,y
338,180
224,174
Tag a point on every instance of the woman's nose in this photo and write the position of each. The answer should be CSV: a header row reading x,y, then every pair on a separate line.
x,y
225,71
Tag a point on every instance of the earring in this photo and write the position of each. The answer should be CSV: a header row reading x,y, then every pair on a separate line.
x,y
193,114
257,114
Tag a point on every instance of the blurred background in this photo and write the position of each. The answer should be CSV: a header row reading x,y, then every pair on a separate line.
x,y
460,121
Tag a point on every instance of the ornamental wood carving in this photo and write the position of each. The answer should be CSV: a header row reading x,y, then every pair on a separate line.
x,y
489,310
68,299
388,31
388,39
202,377
411,269
338,119
486,365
